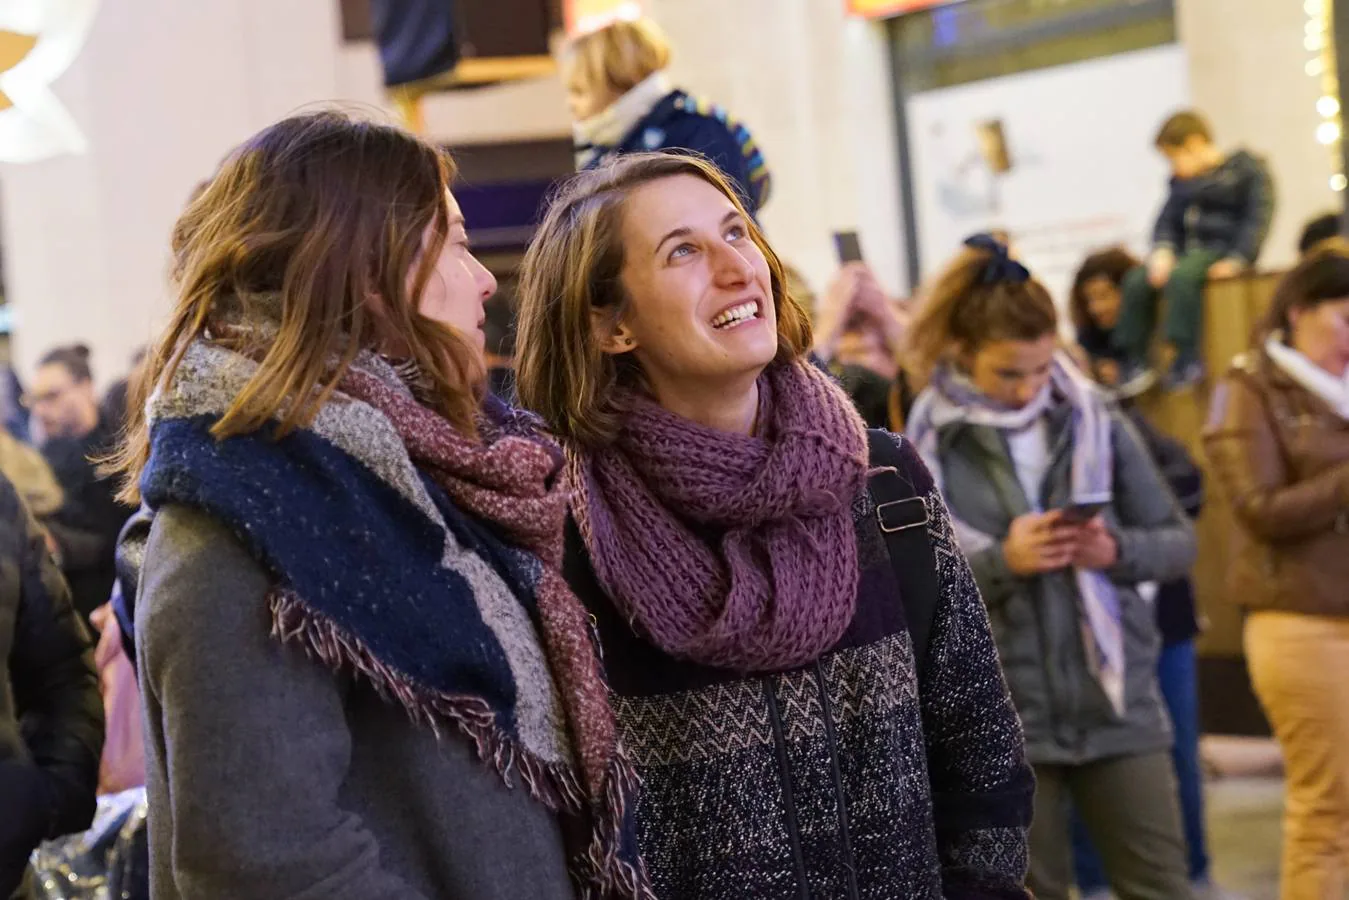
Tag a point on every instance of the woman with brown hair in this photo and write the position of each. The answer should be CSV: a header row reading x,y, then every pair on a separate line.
x,y
801,667
1062,513
363,674
1278,441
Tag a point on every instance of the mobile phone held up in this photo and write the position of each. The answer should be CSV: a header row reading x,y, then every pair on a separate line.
x,y
848,247
1079,513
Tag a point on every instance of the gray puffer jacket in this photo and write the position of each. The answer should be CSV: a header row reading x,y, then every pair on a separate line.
x,y
1036,622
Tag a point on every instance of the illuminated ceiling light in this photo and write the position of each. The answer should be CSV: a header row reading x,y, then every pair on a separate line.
x,y
34,124
1338,182
1328,132
1314,67
1313,7
1312,42
1327,106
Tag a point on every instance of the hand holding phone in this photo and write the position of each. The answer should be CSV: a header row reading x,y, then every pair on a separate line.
x,y
1081,513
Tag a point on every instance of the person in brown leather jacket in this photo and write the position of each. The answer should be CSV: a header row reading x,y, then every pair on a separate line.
x,y
1278,440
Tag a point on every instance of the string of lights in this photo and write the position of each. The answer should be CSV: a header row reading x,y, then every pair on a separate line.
x,y
1320,44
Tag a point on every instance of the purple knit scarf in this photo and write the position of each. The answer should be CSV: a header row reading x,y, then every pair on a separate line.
x,y
727,550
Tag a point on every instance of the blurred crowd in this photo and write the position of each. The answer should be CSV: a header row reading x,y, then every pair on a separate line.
x,y
661,574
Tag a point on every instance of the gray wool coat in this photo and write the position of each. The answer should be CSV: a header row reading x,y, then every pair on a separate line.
x,y
271,778
1036,622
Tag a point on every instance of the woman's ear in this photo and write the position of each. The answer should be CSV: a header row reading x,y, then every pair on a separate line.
x,y
615,338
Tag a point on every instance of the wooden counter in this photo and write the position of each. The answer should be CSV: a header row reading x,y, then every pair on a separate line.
x,y
1232,308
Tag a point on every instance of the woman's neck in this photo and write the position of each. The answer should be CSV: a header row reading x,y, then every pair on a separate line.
x,y
1322,357
732,408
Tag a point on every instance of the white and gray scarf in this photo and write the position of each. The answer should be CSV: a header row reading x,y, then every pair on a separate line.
x,y
951,399
606,129
1320,383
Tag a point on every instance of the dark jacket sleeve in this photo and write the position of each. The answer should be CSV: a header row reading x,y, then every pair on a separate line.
x,y
1256,212
56,687
250,736
1156,541
982,786
710,137
1169,232
1248,463
1179,469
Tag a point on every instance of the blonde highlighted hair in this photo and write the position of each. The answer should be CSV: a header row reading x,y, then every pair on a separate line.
x,y
616,58
958,313
573,268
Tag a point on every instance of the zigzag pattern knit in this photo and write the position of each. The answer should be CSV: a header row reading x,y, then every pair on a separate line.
x,y
731,550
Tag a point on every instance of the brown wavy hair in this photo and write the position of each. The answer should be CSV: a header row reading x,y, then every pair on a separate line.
x,y
314,224
573,266
958,313
1112,263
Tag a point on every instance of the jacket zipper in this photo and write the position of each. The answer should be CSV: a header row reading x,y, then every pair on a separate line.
x,y
849,863
788,797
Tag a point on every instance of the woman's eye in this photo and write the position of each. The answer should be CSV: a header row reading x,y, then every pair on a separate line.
x,y
681,250
735,232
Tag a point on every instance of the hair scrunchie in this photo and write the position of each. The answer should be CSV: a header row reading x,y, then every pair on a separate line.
x,y
1001,268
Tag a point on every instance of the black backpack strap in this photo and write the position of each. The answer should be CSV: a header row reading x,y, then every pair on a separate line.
x,y
903,517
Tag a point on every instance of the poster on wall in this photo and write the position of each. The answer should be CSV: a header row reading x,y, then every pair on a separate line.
x,y
1061,159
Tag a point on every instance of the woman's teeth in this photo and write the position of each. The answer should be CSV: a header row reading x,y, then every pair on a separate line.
x,y
736,314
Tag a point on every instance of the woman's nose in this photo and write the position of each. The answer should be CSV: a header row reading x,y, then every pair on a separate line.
x,y
732,268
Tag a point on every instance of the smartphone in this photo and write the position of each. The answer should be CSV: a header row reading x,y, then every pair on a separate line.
x,y
1078,513
848,247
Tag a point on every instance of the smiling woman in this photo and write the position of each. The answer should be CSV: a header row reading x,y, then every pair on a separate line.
x,y
743,579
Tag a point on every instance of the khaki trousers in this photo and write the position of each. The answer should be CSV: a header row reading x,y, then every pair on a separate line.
x,y
1300,669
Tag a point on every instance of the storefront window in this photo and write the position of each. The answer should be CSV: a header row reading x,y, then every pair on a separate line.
x,y
962,42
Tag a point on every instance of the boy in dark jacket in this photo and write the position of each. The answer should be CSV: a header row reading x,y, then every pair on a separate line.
x,y
51,714
1212,226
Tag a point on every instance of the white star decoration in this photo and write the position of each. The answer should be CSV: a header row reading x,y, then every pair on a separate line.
x,y
45,36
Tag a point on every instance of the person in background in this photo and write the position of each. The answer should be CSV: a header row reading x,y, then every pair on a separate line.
x,y
27,469
744,594
1320,233
623,102
1278,443
1094,306
1061,513
83,533
113,408
1214,222
1178,677
51,718
859,332
13,414
363,675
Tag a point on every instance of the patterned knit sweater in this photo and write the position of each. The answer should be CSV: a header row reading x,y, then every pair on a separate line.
x,y
849,778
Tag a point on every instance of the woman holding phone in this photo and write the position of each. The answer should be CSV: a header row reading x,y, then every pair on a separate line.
x,y
1061,512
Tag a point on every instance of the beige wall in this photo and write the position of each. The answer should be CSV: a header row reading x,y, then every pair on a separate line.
x,y
814,87
1247,75
163,88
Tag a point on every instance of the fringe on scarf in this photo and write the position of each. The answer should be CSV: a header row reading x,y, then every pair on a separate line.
x,y
602,870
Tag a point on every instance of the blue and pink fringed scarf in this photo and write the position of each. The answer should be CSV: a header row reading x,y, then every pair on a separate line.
x,y
425,563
